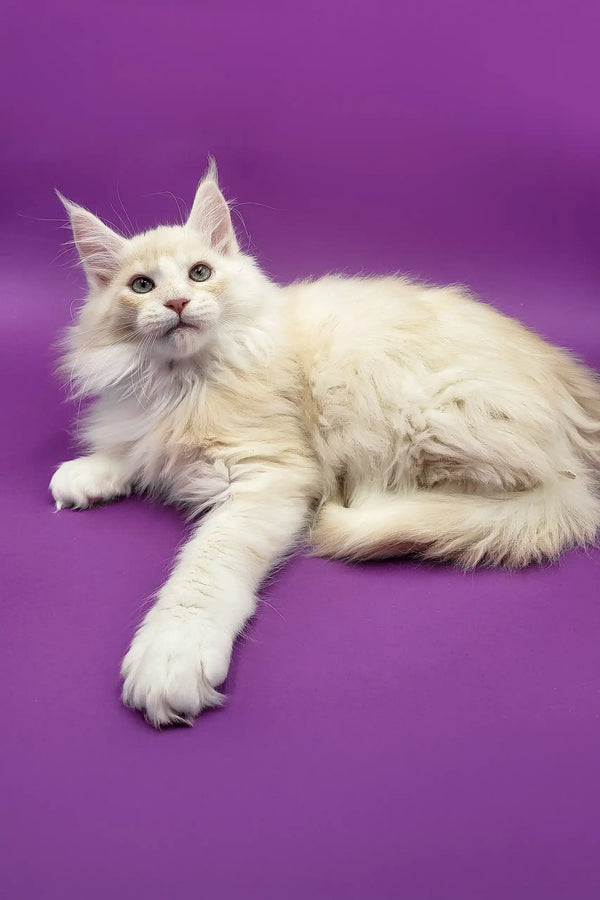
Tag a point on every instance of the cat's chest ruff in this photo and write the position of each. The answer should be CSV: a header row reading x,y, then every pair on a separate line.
x,y
172,440
178,463
167,435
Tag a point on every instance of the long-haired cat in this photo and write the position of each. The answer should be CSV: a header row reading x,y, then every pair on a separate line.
x,y
371,416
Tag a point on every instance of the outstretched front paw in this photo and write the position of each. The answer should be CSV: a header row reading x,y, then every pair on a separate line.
x,y
85,481
175,663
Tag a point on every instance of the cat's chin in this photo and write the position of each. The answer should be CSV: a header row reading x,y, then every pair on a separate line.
x,y
183,342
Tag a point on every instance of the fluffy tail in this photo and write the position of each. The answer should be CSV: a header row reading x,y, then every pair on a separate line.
x,y
511,530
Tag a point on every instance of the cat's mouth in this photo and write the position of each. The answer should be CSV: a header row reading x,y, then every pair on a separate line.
x,y
180,326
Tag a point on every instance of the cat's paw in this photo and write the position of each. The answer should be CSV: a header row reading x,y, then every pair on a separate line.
x,y
85,481
175,663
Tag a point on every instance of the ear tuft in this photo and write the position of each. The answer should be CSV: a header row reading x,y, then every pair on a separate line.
x,y
212,173
210,215
98,245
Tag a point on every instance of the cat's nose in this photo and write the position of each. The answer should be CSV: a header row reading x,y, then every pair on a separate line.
x,y
177,304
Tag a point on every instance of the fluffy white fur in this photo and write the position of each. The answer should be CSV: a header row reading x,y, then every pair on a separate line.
x,y
373,415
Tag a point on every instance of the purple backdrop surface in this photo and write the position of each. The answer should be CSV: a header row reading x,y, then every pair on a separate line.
x,y
392,729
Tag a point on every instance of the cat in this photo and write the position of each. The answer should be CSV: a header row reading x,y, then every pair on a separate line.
x,y
368,416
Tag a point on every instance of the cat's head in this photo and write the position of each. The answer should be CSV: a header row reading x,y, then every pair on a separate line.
x,y
171,293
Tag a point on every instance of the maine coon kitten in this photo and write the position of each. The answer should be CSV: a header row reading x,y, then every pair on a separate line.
x,y
374,415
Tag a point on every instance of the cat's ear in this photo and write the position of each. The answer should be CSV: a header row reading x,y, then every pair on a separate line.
x,y
210,215
98,245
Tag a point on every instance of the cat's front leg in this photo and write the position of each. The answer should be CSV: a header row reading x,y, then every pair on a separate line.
x,y
180,653
88,480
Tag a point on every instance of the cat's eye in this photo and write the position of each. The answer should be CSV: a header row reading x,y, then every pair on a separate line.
x,y
200,272
142,285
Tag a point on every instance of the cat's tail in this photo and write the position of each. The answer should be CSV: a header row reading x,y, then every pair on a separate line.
x,y
511,530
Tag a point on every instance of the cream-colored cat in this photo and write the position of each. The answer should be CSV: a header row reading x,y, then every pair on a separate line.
x,y
373,415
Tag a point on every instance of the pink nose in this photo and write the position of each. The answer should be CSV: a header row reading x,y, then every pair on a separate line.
x,y
177,304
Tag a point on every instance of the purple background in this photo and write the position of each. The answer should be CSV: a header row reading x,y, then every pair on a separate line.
x,y
392,729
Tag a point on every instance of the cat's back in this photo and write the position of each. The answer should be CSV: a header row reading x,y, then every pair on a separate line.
x,y
440,326
357,303
337,316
